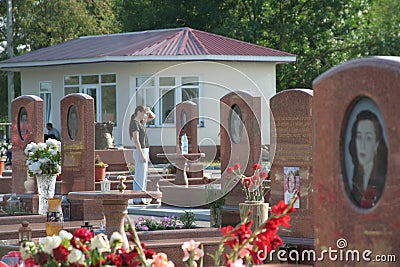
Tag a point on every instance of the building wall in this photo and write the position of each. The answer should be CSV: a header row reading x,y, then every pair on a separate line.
x,y
218,78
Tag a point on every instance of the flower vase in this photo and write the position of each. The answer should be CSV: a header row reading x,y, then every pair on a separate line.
x,y
215,217
55,218
46,184
258,212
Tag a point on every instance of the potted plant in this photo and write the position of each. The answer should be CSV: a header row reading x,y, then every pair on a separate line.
x,y
100,169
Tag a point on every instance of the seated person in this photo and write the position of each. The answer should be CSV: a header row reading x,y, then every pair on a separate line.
x,y
52,132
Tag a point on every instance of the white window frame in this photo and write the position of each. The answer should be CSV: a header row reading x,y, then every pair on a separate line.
x,y
83,89
155,103
46,93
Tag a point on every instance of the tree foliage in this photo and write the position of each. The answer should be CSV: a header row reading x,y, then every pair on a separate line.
x,y
321,33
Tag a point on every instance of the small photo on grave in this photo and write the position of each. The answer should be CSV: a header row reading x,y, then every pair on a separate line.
x,y
291,184
364,153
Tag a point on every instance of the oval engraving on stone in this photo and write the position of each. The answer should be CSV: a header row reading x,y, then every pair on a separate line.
x,y
72,122
23,124
365,153
235,124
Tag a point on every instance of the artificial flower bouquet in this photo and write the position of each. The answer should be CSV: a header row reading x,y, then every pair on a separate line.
x,y
43,158
256,186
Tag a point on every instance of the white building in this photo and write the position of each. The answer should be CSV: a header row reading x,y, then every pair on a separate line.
x,y
159,68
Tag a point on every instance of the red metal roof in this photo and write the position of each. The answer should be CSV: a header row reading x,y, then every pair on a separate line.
x,y
148,45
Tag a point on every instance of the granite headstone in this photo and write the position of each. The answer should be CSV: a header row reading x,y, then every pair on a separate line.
x,y
240,138
356,155
77,153
291,150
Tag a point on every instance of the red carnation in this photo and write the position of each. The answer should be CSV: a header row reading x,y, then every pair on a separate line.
x,y
60,253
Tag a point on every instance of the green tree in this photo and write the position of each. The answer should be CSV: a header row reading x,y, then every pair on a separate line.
x,y
42,23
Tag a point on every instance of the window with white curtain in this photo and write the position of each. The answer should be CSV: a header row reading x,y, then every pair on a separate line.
x,y
45,92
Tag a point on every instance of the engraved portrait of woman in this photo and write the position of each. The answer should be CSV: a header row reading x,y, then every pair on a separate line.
x,y
368,152
23,125
235,124
72,122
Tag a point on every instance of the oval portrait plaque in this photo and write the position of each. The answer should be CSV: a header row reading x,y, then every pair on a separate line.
x,y
364,153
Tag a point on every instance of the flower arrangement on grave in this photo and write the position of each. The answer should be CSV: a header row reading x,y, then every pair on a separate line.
x,y
43,158
256,186
83,249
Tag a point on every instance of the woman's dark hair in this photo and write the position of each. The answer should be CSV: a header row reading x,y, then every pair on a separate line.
x,y
139,108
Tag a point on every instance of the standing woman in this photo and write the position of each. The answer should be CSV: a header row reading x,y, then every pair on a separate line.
x,y
137,133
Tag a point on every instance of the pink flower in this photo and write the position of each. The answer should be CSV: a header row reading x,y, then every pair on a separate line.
x,y
245,252
237,263
161,260
190,247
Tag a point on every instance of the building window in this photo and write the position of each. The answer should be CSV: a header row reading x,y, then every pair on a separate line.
x,y
45,92
102,87
163,93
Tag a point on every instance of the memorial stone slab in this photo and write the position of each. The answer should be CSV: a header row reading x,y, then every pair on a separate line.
x,y
187,119
291,150
77,153
240,141
356,156
27,126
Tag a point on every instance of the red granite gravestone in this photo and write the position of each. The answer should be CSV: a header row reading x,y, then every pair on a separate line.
x,y
77,153
356,155
291,147
187,119
27,126
240,141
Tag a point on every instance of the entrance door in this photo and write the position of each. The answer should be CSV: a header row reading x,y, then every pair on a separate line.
x,y
93,91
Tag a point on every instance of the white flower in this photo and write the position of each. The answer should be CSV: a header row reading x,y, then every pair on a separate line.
x,y
76,256
49,243
44,160
100,242
27,249
116,239
41,146
35,167
51,142
65,235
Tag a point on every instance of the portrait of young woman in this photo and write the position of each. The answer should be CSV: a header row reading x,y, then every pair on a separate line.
x,y
365,157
